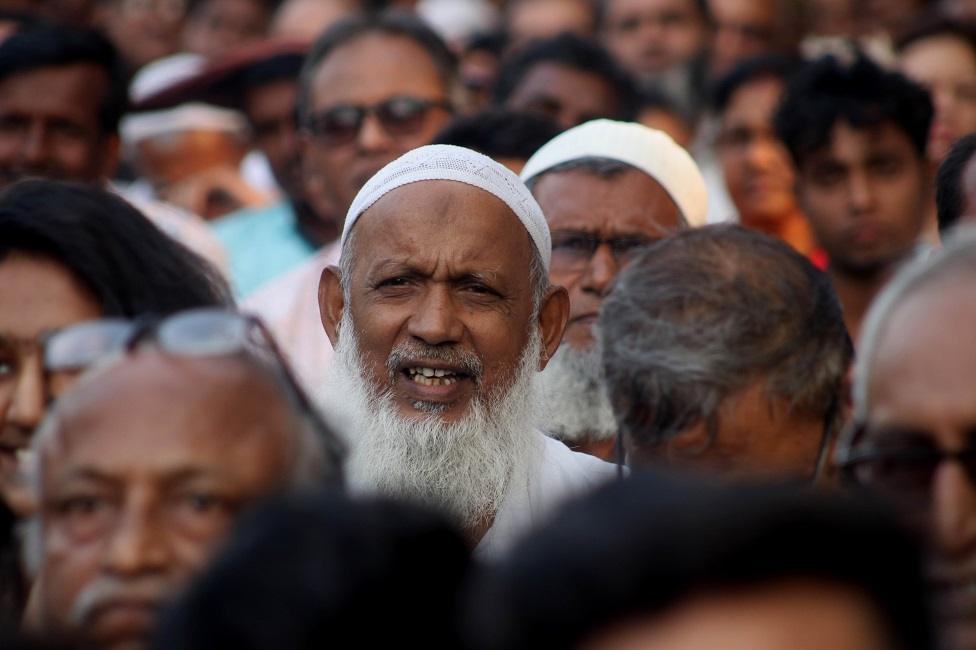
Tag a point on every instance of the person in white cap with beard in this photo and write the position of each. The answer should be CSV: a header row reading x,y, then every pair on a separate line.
x,y
607,189
441,314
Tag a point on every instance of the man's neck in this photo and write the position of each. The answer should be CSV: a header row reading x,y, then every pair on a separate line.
x,y
316,230
856,293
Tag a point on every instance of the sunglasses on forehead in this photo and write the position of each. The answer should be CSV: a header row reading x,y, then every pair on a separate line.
x,y
398,116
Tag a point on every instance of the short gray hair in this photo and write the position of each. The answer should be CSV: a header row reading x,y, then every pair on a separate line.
x,y
701,315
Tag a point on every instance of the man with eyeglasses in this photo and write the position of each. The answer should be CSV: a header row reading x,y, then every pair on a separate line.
x,y
211,421
915,417
373,87
607,189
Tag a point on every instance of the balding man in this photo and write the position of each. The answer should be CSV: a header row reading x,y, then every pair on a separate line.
x,y
915,414
607,189
143,466
439,337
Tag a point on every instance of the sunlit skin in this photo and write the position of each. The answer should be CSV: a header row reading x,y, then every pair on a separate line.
x,y
922,394
304,20
566,95
143,512
797,614
423,275
37,295
49,125
364,72
538,19
757,168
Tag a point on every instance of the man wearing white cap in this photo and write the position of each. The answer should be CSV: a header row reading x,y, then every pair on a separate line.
x,y
441,314
607,189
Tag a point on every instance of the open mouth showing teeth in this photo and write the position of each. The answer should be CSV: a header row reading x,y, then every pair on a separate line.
x,y
433,376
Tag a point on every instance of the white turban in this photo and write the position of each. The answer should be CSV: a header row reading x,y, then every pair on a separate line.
x,y
649,150
443,162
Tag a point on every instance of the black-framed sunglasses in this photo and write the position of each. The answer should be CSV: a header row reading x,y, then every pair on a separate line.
x,y
399,116
573,250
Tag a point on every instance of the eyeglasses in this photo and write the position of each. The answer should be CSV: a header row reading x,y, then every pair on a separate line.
x,y
399,116
572,251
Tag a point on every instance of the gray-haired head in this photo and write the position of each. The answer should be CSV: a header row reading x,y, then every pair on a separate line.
x,y
707,313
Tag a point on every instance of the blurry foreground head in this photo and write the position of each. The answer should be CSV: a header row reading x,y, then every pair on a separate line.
x,y
144,464
955,186
725,352
655,566
313,572
915,413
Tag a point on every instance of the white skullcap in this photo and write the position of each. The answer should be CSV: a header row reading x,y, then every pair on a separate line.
x,y
136,127
444,162
649,150
164,73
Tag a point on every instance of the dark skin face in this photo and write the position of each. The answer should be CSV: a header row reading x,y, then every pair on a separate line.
x,y
424,277
270,108
219,27
652,36
566,95
142,30
142,513
49,125
630,205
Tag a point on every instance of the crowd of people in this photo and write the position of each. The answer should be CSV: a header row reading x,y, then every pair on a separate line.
x,y
488,324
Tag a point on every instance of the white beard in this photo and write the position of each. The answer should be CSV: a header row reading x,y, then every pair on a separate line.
x,y
466,467
574,393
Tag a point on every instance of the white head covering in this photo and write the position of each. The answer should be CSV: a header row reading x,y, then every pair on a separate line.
x,y
443,162
649,150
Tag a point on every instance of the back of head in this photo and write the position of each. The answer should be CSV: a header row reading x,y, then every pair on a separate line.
x,y
951,201
130,266
707,312
860,93
324,571
46,45
500,133
643,547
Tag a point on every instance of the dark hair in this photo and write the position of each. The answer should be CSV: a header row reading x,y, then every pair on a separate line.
x,y
826,91
762,67
640,547
571,51
391,22
934,26
43,45
500,133
130,266
950,199
701,314
315,571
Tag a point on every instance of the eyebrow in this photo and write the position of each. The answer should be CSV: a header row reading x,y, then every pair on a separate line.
x,y
404,267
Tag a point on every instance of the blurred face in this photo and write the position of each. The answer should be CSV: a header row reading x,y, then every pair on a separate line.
x,y
127,520
743,29
49,125
441,318
652,36
922,401
797,615
667,121
304,20
270,109
218,27
597,225
37,295
946,67
369,72
863,195
143,30
566,95
538,19
757,168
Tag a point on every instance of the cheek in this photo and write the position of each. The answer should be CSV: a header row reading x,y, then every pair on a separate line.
x,y
67,568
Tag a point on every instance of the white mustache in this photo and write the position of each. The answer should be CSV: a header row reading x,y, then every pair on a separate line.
x,y
105,591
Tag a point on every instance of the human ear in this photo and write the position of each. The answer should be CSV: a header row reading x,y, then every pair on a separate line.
x,y
553,317
331,303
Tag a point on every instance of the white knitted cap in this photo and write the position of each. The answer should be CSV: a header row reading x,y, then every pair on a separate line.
x,y
649,150
443,162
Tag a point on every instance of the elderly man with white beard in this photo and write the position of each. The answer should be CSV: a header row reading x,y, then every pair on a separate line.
x,y
607,189
442,314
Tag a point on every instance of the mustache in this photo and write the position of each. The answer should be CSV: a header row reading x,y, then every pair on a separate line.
x,y
466,361
104,592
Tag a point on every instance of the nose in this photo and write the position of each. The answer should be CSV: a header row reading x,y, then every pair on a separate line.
x,y
436,320
137,546
954,510
861,194
600,272
372,135
27,401
761,154
34,147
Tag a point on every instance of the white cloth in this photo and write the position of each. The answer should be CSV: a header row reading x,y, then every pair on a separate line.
x,y
649,150
449,163
558,474
289,305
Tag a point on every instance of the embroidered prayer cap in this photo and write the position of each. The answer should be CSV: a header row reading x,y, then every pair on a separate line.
x,y
649,150
443,162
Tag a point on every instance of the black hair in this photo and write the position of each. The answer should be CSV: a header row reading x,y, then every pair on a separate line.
x,y
761,67
827,91
935,26
500,133
131,268
315,571
45,44
392,22
637,548
495,42
571,51
275,68
950,199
